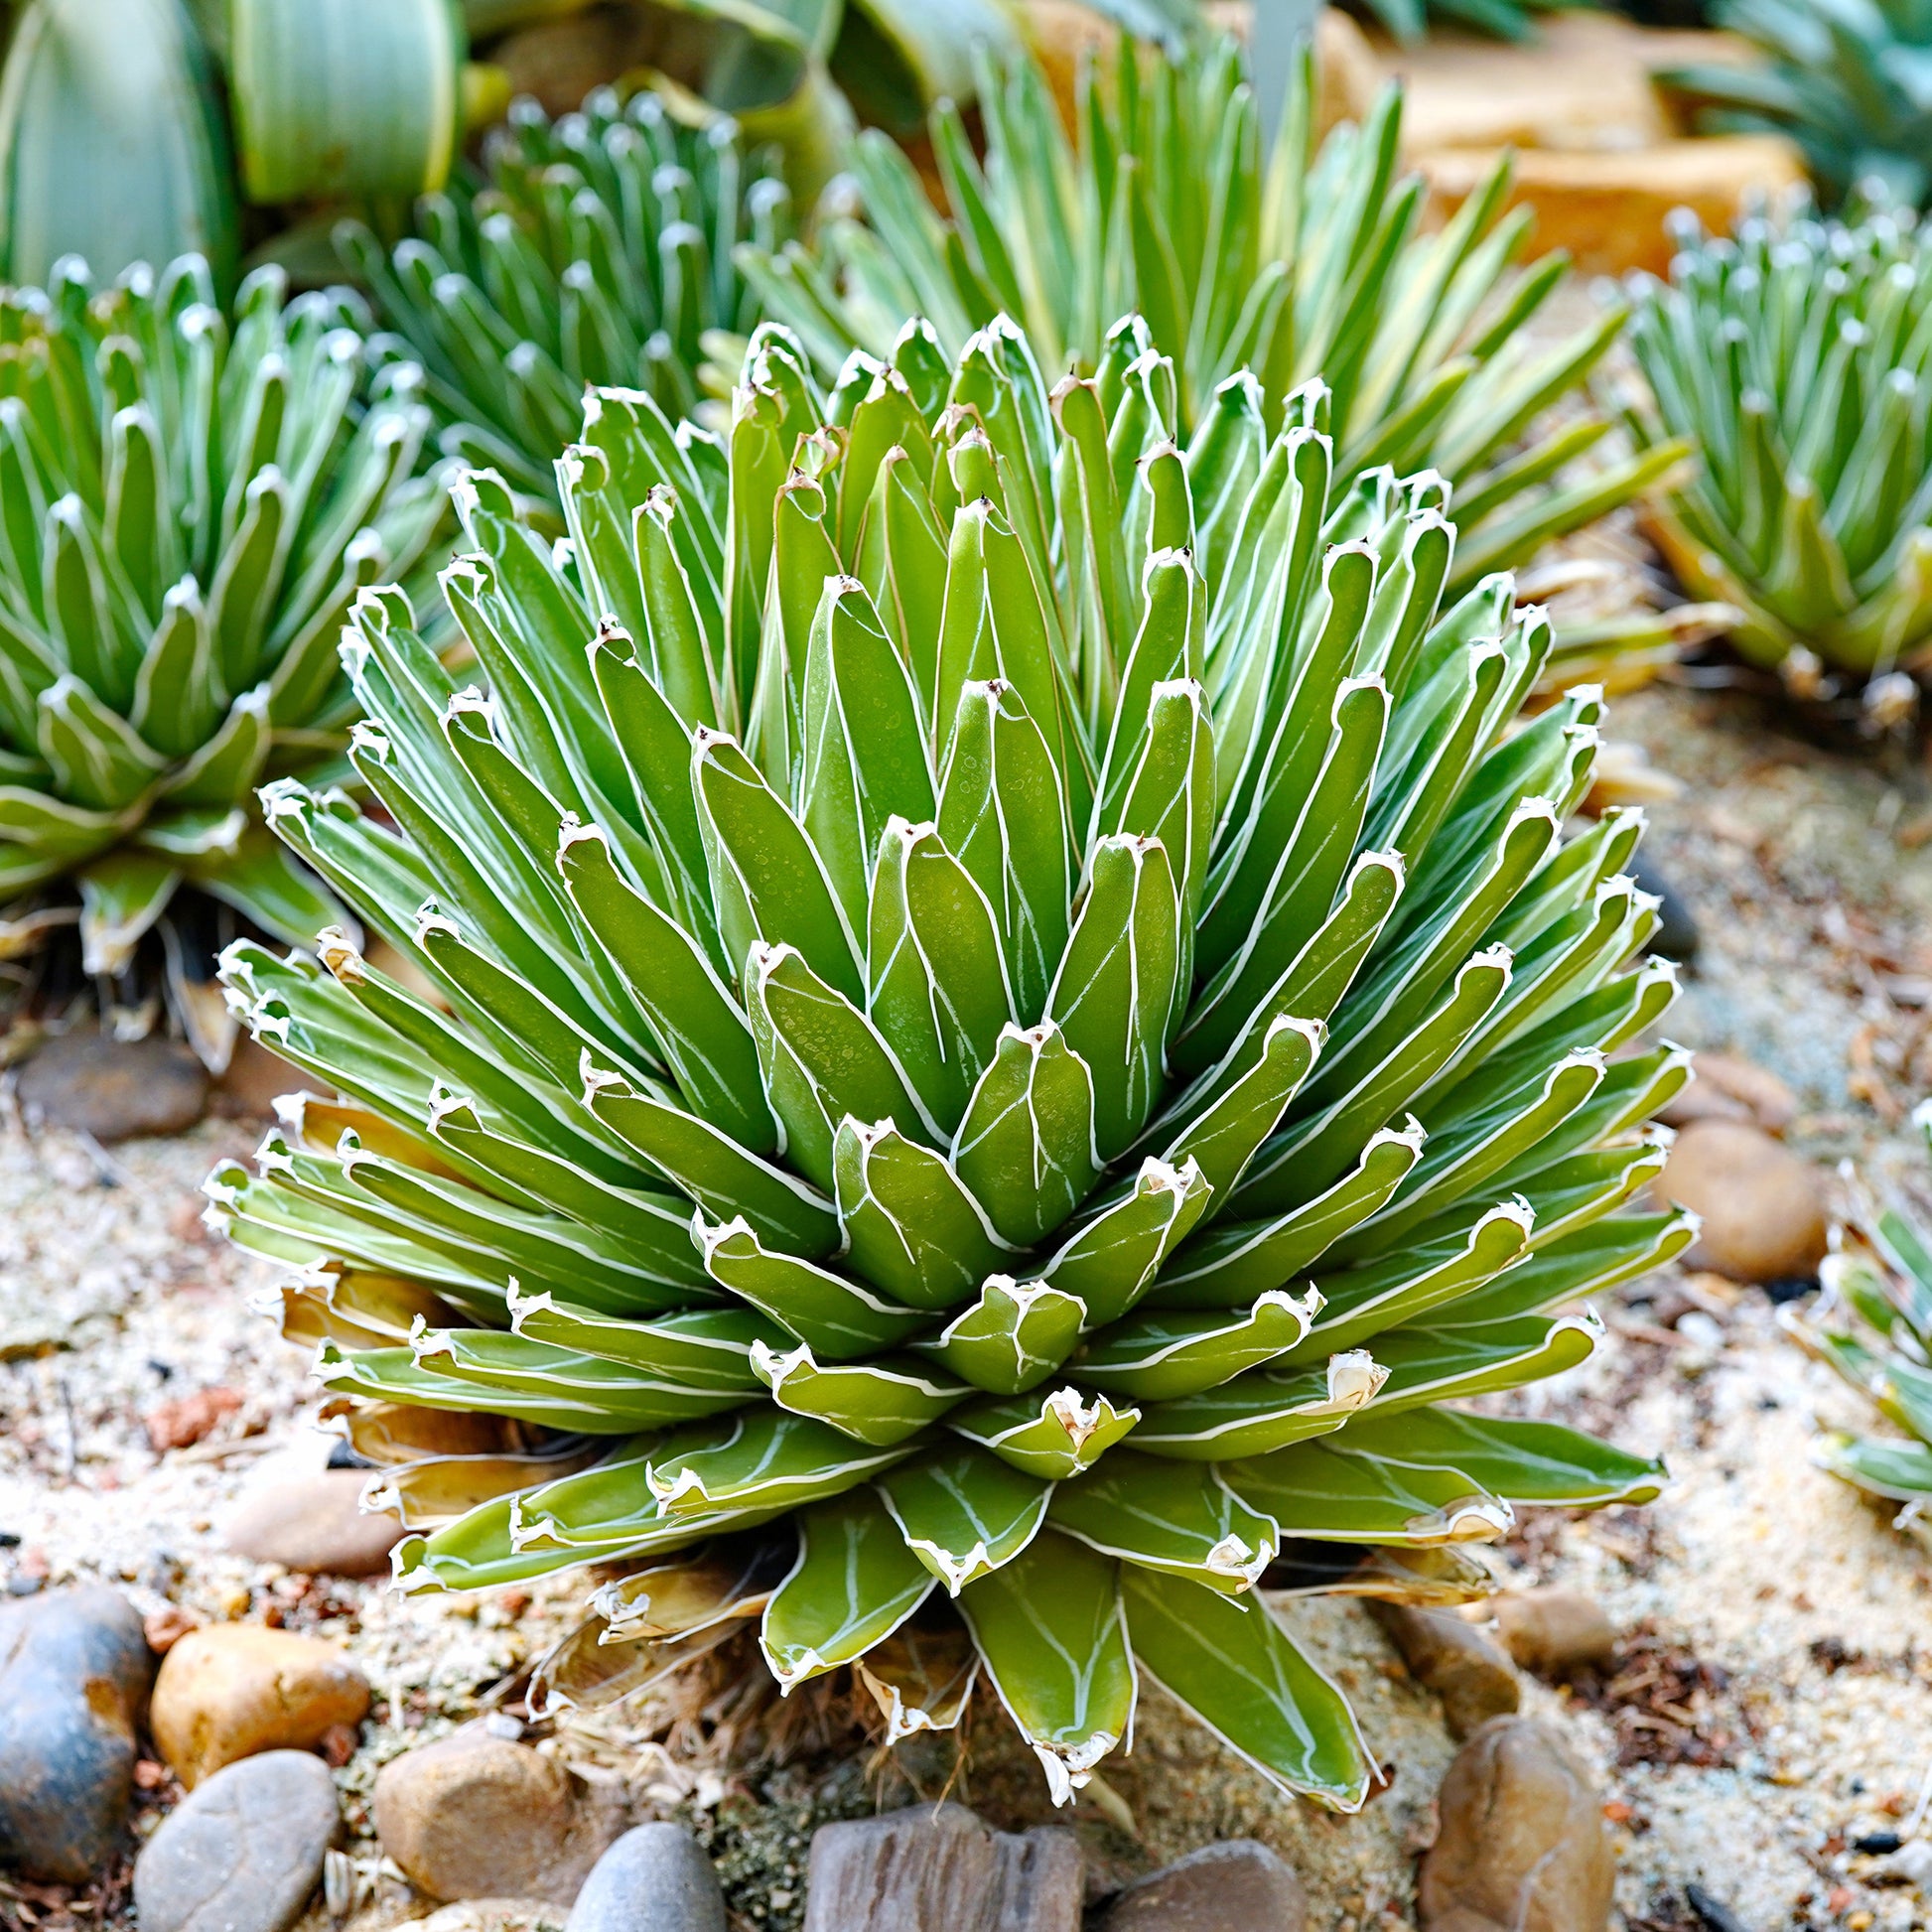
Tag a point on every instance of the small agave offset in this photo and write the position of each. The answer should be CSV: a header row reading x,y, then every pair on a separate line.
x,y
1016,1030
1873,1325
189,507
1798,354
598,248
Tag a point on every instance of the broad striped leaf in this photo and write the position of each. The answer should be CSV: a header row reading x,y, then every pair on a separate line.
x,y
1051,1629
854,1584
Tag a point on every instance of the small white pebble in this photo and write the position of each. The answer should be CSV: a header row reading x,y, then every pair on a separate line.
x,y
1912,1862
1699,1330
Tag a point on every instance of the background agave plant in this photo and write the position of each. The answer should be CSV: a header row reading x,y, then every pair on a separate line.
x,y
1300,264
598,249
116,142
191,506
111,145
1850,80
1798,356
1507,19
1873,1325
1014,1021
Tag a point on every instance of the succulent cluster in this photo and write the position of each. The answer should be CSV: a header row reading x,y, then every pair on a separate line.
x,y
1014,1026
595,249
191,500
1798,357
1845,80
1291,262
1873,1325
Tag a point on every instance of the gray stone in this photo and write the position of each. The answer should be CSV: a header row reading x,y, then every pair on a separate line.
x,y
243,1852
1474,1680
114,1089
940,1868
75,1674
1235,1886
654,1878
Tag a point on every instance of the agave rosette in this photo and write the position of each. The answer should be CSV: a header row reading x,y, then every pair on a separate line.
x,y
1295,264
1872,1324
596,249
1015,1029
1843,81
191,505
1798,354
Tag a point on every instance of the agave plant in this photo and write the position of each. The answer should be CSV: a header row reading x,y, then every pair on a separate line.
x,y
1847,80
1294,264
1012,1018
596,249
111,144
1873,1325
188,506
352,97
1798,356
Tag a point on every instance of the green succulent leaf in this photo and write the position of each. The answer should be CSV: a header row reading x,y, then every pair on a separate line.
x,y
111,144
1050,1627
1187,1522
1233,1665
1012,1338
1872,1324
964,1512
854,1584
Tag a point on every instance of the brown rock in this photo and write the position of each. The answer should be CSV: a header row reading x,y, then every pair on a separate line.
x,y
1554,1632
1066,35
315,1524
1584,83
113,1089
1474,1680
184,1422
234,1688
1238,1886
1764,1208
477,1816
165,1627
1522,1845
1348,74
1609,208
940,1868
1729,1088
254,1080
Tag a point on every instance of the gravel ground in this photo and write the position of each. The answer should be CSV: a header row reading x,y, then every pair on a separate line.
x,y
1773,1699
